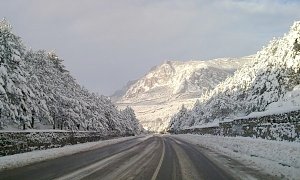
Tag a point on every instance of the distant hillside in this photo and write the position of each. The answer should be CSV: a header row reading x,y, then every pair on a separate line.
x,y
120,93
161,92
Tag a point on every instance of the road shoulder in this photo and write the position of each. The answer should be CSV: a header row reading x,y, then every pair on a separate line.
x,y
249,158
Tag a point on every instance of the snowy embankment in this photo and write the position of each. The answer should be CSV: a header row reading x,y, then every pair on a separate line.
x,y
19,160
277,158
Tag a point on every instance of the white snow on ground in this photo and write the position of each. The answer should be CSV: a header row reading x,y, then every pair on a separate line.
x,y
18,160
277,158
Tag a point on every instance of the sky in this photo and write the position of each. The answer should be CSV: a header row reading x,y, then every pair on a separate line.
x,y
105,43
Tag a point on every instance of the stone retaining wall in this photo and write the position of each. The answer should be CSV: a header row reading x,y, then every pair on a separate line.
x,y
20,142
202,131
285,126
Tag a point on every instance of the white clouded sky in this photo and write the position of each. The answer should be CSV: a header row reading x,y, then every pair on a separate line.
x,y
105,43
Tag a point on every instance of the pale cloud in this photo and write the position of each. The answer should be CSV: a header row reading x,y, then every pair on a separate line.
x,y
106,43
266,7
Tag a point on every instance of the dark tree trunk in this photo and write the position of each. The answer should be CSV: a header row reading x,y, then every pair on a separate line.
x,y
32,122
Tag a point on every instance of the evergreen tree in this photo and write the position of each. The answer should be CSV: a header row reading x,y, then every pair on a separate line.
x,y
36,91
15,95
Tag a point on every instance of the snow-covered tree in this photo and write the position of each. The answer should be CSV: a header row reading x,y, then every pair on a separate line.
x,y
36,91
15,96
266,79
180,118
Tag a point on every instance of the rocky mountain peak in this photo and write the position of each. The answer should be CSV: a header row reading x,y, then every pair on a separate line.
x,y
158,95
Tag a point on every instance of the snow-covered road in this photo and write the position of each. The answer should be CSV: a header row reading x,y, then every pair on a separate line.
x,y
148,157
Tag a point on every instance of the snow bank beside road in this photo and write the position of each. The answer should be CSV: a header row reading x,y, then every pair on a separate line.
x,y
277,158
23,159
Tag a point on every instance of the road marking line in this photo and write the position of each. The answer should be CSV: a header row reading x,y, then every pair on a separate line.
x,y
160,162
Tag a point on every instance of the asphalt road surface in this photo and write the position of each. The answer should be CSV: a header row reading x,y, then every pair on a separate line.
x,y
158,157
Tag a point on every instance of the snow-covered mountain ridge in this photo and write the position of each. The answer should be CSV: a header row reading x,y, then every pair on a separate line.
x,y
270,80
161,92
184,77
